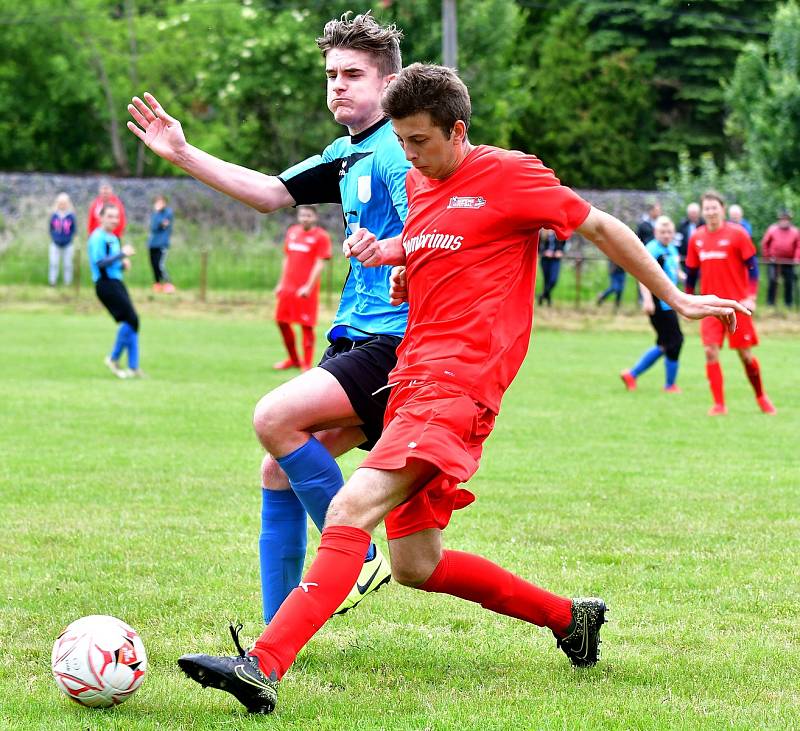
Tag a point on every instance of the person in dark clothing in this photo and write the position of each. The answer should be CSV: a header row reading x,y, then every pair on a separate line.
x,y
687,227
158,243
647,226
551,252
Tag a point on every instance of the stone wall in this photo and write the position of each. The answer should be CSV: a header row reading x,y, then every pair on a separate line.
x,y
29,196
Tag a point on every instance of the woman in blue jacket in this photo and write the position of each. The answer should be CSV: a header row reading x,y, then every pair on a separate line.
x,y
160,232
62,232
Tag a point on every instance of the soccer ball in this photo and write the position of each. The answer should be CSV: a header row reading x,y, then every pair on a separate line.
x,y
99,661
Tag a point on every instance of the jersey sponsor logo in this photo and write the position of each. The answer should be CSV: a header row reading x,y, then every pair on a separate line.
x,y
705,255
467,201
364,188
433,240
298,246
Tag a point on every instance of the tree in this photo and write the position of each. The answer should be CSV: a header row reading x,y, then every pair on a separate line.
x,y
591,119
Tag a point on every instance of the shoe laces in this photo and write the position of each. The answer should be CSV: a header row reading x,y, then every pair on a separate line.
x,y
235,634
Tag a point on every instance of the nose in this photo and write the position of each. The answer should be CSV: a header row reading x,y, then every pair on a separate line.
x,y
338,83
410,154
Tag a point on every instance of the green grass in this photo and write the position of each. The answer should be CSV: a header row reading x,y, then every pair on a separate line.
x,y
140,499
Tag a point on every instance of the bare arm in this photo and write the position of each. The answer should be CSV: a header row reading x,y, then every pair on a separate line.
x,y
164,136
316,270
622,246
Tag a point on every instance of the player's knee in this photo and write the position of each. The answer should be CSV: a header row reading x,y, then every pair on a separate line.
x,y
712,354
673,350
413,573
267,421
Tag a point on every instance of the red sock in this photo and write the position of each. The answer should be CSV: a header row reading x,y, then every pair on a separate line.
x,y
308,345
288,341
753,370
477,579
329,579
714,374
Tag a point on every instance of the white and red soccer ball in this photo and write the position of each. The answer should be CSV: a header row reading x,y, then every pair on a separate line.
x,y
99,661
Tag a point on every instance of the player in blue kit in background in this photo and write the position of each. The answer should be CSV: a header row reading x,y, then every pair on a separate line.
x,y
108,260
669,338
308,421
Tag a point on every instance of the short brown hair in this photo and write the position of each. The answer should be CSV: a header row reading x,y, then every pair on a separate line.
x,y
436,90
713,195
364,33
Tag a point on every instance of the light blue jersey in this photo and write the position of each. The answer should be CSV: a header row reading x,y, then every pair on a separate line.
x,y
366,173
105,255
668,259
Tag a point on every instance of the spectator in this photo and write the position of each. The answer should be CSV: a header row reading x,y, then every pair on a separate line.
x,y
687,227
106,197
62,232
158,243
647,226
736,215
551,251
781,247
616,285
306,248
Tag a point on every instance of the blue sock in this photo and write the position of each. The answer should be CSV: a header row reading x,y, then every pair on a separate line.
x,y
133,349
671,367
121,342
650,357
281,547
315,478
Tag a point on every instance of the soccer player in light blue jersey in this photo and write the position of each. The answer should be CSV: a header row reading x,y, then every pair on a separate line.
x,y
307,422
108,260
669,338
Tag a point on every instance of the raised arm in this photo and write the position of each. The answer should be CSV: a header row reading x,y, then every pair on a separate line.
x,y
622,246
164,136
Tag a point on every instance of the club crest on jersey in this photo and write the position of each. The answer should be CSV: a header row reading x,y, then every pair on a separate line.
x,y
467,201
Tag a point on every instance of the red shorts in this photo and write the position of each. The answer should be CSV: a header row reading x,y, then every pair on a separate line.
x,y
713,332
439,425
302,310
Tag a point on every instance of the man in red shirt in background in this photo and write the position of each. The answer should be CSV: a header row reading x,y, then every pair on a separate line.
x,y
106,197
469,245
725,258
306,248
781,245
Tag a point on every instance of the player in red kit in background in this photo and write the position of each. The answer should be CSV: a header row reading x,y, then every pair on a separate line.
x,y
469,244
724,257
306,248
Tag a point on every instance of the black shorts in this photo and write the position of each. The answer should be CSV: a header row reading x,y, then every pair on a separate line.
x,y
362,368
115,298
667,327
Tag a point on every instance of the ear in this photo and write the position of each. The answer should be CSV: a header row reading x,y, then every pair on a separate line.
x,y
388,80
459,133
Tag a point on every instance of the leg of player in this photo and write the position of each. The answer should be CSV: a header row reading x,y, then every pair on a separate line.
x,y
715,380
649,357
282,543
419,561
672,351
293,361
753,371
356,510
285,421
308,347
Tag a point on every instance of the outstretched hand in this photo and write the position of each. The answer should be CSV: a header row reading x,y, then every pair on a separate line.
x,y
696,307
157,129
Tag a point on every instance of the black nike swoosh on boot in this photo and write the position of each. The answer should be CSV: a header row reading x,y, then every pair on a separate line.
x,y
364,588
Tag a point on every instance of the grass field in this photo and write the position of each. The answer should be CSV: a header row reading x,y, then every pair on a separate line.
x,y
141,500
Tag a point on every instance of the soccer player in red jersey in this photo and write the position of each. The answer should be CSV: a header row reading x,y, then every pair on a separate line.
x,y
306,248
725,259
469,247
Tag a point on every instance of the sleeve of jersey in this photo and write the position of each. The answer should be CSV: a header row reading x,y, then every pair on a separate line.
x,y
536,198
393,168
315,180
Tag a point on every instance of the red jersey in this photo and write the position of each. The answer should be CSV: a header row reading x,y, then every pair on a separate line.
x,y
470,242
94,214
302,250
721,255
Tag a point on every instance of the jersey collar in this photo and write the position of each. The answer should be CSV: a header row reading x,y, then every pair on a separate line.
x,y
361,136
